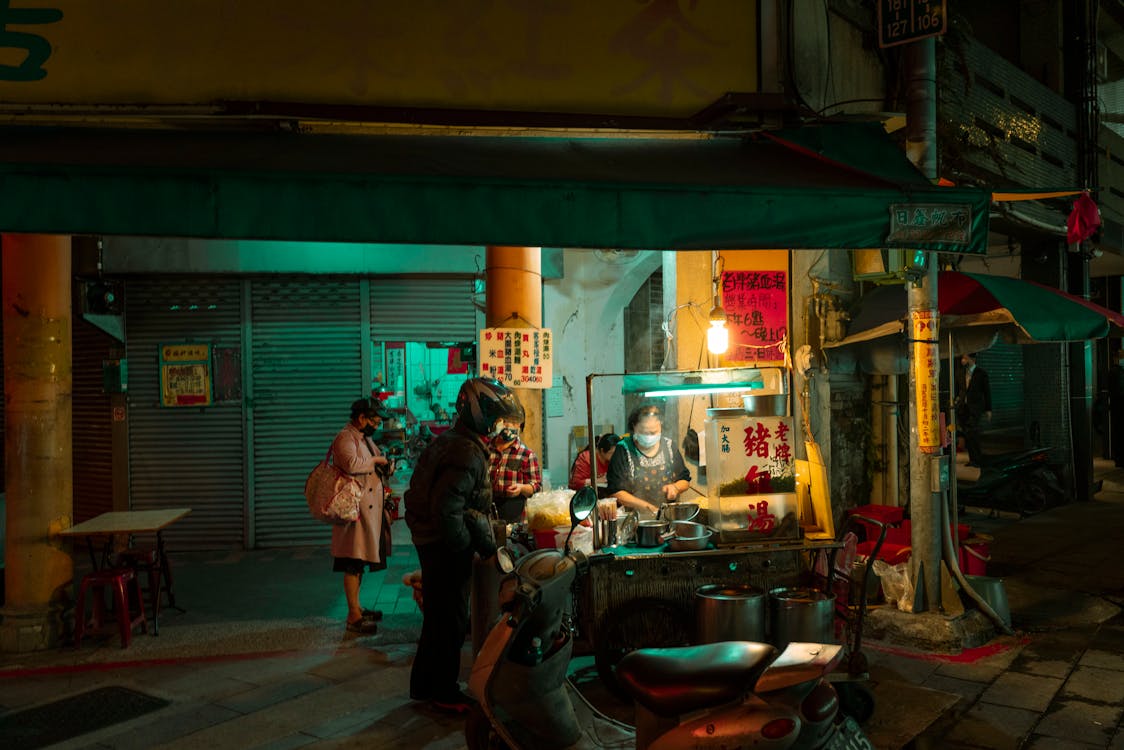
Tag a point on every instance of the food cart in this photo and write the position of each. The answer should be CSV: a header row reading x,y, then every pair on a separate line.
x,y
745,482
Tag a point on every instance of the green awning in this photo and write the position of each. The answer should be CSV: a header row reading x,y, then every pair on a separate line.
x,y
643,193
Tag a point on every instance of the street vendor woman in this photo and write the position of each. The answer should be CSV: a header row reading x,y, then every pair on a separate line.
x,y
647,469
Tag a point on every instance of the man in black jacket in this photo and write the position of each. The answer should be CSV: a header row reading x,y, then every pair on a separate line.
x,y
446,510
974,406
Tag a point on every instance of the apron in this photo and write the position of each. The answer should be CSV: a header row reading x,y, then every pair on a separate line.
x,y
648,475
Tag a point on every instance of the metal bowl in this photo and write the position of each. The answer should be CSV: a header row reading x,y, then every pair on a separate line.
x,y
689,529
680,511
689,544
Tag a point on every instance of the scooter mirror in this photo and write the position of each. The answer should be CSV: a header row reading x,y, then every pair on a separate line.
x,y
504,560
582,504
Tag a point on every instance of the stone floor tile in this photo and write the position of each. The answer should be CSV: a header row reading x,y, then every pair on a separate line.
x,y
1095,685
287,743
271,694
976,672
968,691
994,727
1045,667
1080,721
1017,690
1117,741
1103,659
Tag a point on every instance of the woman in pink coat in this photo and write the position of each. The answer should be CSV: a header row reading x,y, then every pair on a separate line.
x,y
356,546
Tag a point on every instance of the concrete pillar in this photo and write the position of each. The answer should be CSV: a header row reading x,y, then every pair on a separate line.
x,y
38,570
514,300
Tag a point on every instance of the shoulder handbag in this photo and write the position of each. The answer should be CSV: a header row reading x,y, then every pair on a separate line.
x,y
332,495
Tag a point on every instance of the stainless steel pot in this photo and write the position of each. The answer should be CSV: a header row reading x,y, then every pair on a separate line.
x,y
679,511
650,533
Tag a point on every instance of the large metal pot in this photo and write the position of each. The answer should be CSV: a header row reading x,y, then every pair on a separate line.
x,y
650,533
802,615
729,612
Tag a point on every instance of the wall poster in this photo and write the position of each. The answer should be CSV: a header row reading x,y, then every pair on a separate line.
x,y
518,357
756,304
185,375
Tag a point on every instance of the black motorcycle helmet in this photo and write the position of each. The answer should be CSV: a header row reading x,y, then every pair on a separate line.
x,y
482,401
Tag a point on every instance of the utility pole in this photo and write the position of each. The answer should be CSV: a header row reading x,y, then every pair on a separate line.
x,y
924,318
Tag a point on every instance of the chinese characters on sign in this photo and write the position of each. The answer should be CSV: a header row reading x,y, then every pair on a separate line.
x,y
518,357
756,304
753,467
185,374
37,48
924,329
929,222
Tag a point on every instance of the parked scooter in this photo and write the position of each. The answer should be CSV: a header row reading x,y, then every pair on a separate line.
x,y
1022,481
719,695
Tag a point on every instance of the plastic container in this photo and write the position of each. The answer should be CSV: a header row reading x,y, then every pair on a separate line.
x,y
888,514
545,538
974,556
801,615
729,612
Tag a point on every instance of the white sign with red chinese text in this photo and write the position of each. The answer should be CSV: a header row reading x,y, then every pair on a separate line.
x,y
518,357
751,475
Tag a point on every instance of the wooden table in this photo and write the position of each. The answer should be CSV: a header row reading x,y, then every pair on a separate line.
x,y
131,522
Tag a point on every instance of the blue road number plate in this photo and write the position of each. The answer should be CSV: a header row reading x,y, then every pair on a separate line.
x,y
849,736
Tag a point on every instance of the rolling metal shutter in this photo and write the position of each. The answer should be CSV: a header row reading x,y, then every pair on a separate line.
x,y
92,426
306,355
424,309
1004,365
184,457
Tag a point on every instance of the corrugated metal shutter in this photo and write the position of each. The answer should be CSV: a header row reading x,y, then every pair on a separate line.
x,y
184,457
307,351
423,309
92,426
1004,365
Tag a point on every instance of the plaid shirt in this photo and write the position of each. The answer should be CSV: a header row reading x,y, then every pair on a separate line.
x,y
517,464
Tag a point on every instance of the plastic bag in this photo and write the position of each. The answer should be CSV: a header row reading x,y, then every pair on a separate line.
x,y
896,585
546,510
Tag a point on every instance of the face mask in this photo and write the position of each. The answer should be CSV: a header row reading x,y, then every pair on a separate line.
x,y
507,435
647,441
369,430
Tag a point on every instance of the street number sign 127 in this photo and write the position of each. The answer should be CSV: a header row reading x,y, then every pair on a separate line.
x,y
902,21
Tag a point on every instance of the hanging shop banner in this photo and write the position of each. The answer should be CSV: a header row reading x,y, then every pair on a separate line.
x,y
185,375
925,362
756,304
518,357
659,58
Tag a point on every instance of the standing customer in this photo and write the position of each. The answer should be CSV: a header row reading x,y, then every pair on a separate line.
x,y
450,492
516,474
582,467
647,469
356,546
975,406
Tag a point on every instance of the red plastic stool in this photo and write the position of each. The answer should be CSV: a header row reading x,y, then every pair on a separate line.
x,y
117,580
144,559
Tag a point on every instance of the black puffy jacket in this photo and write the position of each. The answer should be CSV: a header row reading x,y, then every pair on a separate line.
x,y
452,475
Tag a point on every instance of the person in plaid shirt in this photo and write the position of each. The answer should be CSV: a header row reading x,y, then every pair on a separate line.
x,y
516,474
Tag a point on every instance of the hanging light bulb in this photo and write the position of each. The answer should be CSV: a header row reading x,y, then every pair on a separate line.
x,y
717,336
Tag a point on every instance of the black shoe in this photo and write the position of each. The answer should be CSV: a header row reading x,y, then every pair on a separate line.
x,y
374,615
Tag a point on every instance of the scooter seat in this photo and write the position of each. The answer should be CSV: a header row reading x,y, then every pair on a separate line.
x,y
673,681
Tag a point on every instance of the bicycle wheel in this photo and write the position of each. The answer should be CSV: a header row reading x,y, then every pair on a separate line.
x,y
642,623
